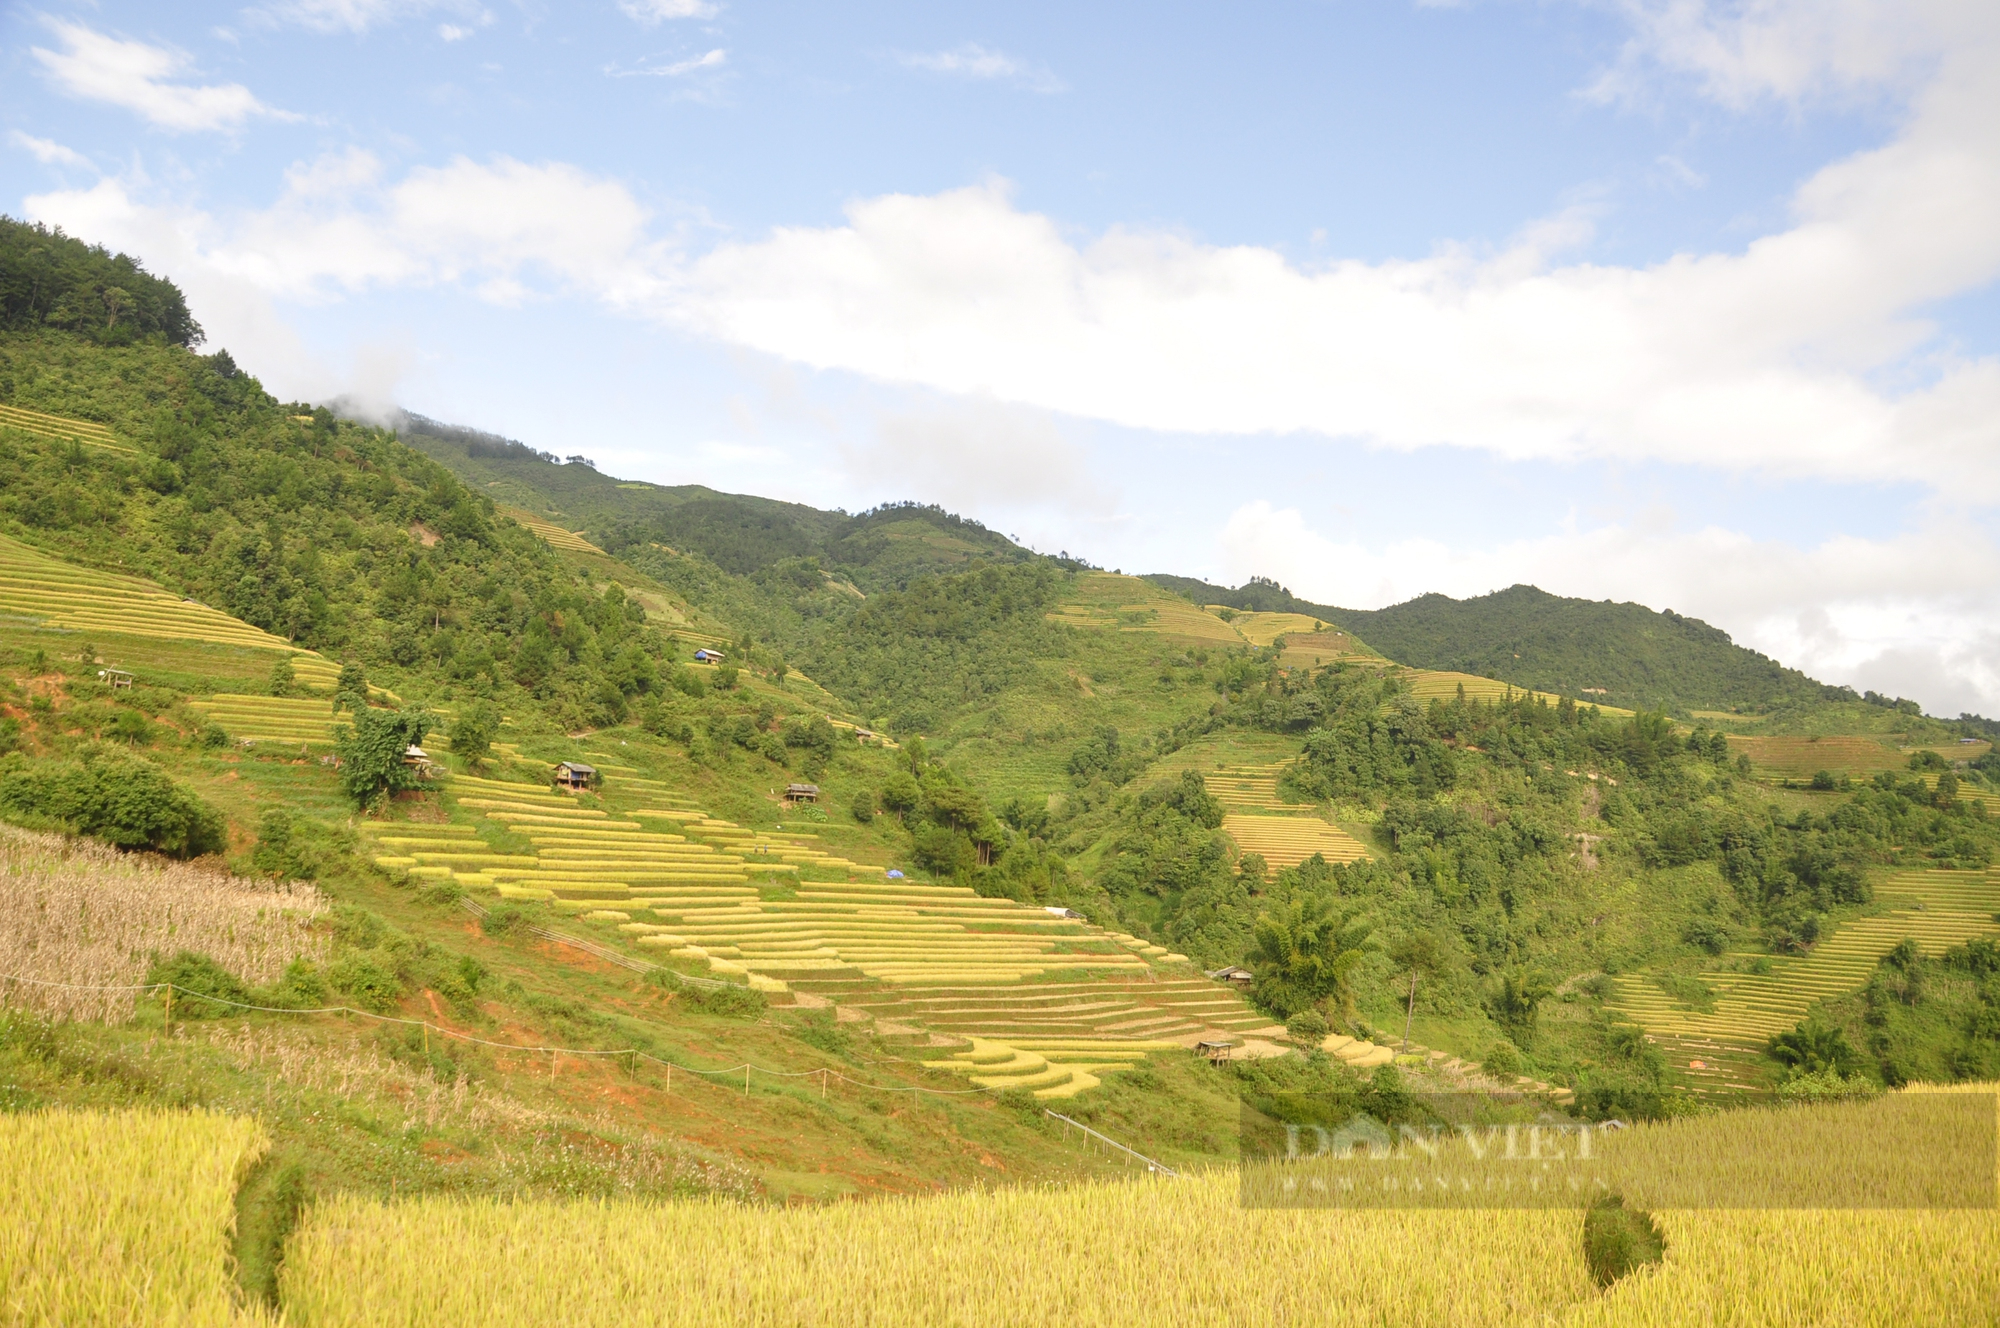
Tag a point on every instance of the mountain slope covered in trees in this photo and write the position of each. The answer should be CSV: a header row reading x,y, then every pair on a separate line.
x,y
1625,655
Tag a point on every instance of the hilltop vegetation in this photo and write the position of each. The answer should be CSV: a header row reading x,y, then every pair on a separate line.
x,y
48,280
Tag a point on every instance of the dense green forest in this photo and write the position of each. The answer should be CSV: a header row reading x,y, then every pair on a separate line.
x,y
49,280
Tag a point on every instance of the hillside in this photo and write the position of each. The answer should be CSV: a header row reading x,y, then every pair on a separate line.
x,y
1624,655
738,533
1044,803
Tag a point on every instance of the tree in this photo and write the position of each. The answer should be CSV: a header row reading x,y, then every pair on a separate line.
x,y
1419,952
351,692
1305,953
371,754
1811,1048
472,733
1517,1004
284,679
900,794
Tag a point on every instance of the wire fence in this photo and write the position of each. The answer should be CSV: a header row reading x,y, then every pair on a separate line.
x,y
1159,1167
635,1055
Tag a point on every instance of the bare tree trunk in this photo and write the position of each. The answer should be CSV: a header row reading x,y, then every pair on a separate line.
x,y
1410,1015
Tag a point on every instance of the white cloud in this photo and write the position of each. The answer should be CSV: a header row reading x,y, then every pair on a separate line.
x,y
358,16
711,60
1914,614
47,151
978,62
1790,50
138,77
451,32
650,12
1775,357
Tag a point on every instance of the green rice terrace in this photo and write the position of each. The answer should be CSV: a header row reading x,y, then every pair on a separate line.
x,y
642,870
1745,999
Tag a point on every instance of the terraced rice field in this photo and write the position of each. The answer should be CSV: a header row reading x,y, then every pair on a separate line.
x,y
53,593
676,880
1047,1016
1286,841
1261,629
1049,1067
550,533
61,429
1434,684
1968,791
1855,755
269,718
1937,909
1311,650
1126,603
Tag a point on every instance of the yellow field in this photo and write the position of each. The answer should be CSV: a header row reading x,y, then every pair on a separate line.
x,y
1122,1009
1430,684
1261,629
1286,841
60,429
121,1218
1249,786
1803,757
550,533
269,718
54,593
1314,649
1126,603
1147,1251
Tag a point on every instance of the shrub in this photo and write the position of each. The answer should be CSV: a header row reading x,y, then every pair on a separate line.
x,y
1825,1085
1503,1059
115,796
1307,1028
1618,1240
502,920
367,981
1823,780
300,987
728,1000
1707,934
195,976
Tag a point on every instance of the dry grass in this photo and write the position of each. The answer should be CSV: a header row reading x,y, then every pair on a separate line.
x,y
73,911
302,1062
121,1218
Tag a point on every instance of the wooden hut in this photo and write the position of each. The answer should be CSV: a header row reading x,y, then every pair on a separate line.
x,y
1234,976
798,793
115,677
574,776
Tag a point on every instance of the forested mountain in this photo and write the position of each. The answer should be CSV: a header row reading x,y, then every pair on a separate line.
x,y
1625,655
738,533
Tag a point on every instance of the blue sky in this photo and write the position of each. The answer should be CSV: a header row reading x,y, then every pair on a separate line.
x,y
1684,303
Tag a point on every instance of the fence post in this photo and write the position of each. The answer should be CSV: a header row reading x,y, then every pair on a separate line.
x,y
746,1078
